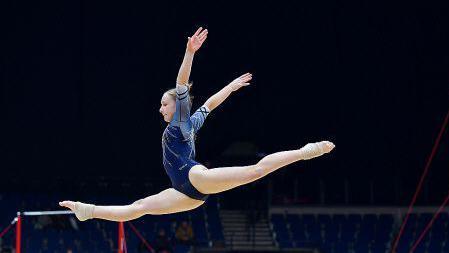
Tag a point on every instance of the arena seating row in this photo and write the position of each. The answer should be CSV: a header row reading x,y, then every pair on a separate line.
x,y
42,234
357,233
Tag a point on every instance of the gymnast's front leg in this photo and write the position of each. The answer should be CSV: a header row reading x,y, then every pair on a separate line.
x,y
210,181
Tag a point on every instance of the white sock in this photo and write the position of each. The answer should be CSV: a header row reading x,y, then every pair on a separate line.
x,y
83,211
313,150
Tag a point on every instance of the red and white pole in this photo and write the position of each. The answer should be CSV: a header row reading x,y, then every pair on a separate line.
x,y
18,233
121,238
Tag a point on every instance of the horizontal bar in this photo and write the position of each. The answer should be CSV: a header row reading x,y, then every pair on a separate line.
x,y
37,213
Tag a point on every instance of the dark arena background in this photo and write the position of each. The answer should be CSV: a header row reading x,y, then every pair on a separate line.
x,y
81,85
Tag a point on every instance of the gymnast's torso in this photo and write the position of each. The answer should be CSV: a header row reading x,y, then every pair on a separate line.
x,y
178,143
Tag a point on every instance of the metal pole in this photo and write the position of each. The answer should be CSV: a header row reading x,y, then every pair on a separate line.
x,y
121,236
18,233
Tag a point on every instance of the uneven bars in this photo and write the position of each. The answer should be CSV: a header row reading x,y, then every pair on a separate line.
x,y
37,213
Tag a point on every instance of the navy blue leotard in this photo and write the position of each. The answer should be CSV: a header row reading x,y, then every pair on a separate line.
x,y
178,143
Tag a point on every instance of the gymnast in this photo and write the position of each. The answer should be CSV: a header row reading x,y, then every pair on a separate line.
x,y
191,181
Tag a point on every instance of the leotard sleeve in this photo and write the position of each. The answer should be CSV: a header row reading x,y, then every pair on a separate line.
x,y
199,117
181,118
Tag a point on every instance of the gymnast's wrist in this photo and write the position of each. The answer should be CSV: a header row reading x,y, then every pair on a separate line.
x,y
190,51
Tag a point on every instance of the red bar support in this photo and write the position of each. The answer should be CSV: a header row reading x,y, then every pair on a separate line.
x,y
121,238
18,233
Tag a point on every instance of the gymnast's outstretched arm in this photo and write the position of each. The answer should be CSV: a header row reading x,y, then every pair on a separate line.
x,y
193,44
218,98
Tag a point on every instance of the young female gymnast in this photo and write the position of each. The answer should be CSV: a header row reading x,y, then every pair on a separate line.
x,y
191,181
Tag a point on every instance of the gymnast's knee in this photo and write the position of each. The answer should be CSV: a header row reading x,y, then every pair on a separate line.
x,y
256,171
139,207
153,207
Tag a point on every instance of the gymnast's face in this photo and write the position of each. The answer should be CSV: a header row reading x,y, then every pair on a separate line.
x,y
168,107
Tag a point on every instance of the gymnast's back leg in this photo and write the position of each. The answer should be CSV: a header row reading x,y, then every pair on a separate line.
x,y
165,202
